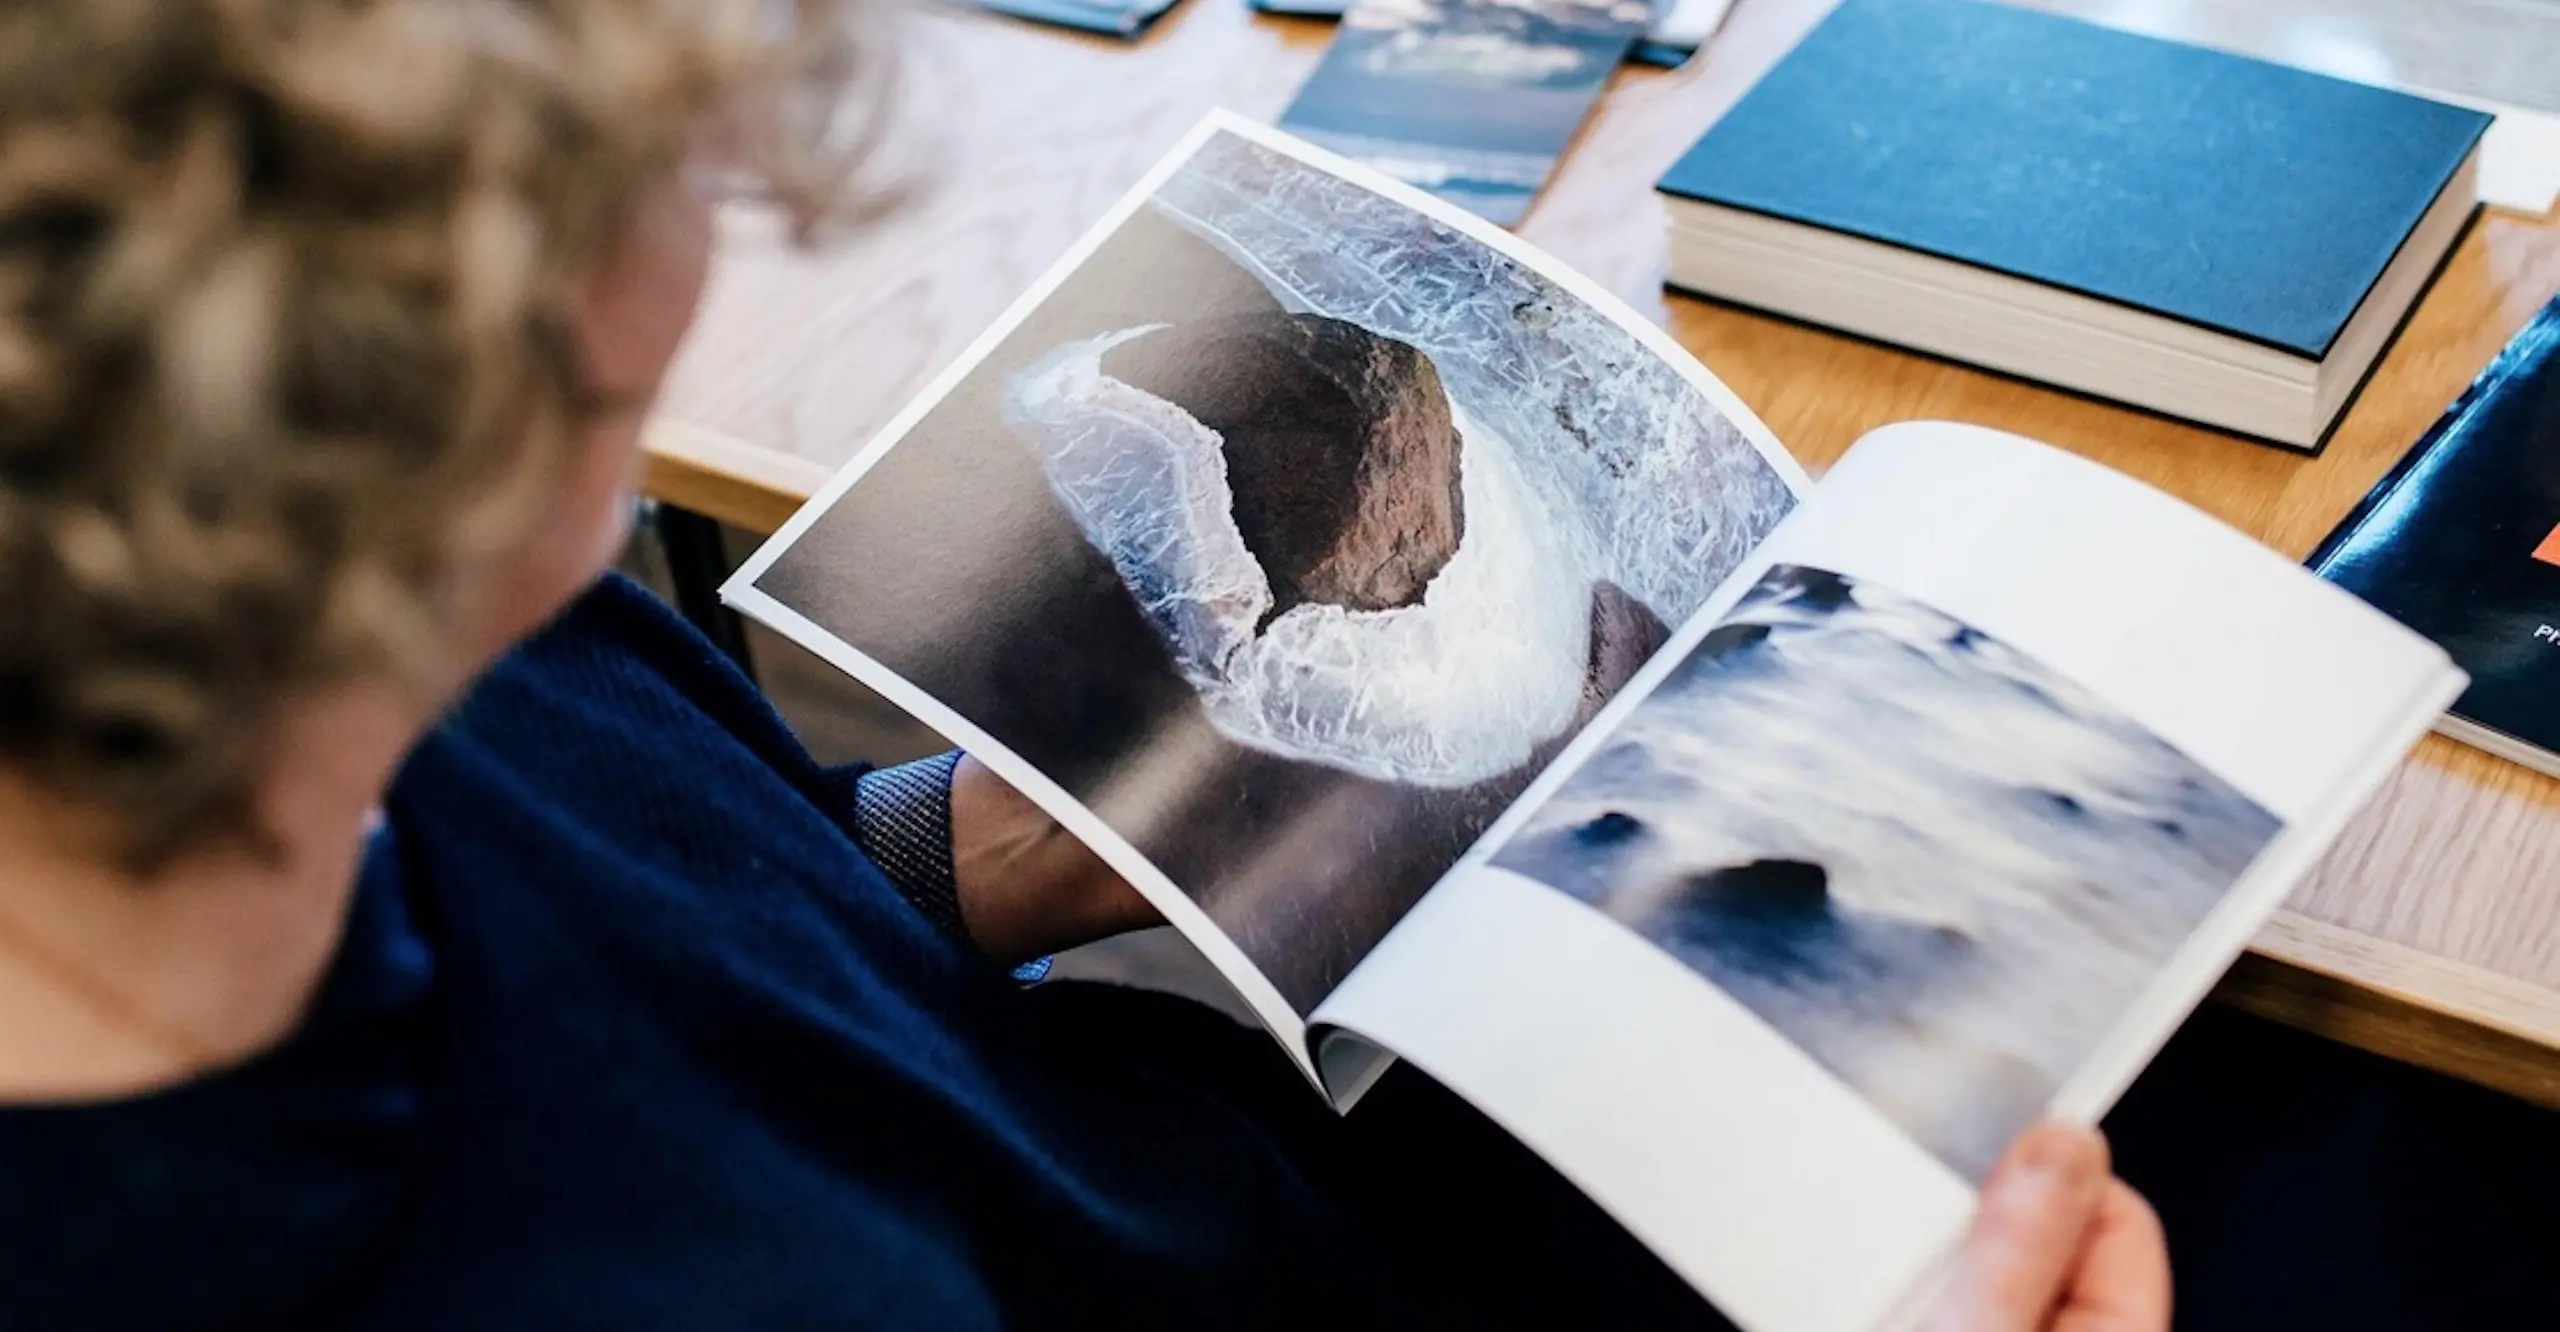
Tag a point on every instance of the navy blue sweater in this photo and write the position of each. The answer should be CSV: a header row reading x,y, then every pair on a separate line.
x,y
627,1033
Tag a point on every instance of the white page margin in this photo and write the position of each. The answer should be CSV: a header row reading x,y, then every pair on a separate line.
x,y
1756,1175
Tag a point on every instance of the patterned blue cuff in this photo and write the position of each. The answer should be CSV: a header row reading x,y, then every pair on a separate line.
x,y
902,820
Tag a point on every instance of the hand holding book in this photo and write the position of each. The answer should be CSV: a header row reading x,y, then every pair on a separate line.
x,y
2059,1245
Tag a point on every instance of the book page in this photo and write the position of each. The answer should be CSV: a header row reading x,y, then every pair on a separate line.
x,y
1277,539
1963,793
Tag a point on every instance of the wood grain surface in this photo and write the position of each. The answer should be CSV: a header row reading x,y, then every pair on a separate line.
x,y
2430,933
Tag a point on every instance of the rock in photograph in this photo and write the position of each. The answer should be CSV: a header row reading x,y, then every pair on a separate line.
x,y
1937,867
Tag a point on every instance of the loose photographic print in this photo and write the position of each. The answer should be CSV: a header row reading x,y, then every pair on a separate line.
x,y
1124,18
1290,534
1938,868
1674,35
1472,100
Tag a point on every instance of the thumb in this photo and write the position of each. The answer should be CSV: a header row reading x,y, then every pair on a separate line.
x,y
2036,1208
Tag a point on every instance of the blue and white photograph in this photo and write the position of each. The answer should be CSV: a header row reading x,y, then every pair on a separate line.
x,y
1471,101
1936,866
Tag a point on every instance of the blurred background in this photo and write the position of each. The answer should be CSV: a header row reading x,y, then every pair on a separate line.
x,y
2495,50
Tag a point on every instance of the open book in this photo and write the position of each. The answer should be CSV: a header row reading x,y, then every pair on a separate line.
x,y
1470,676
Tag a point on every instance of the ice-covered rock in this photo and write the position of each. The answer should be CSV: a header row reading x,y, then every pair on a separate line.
x,y
1341,457
1459,688
1277,491
1660,493
1147,485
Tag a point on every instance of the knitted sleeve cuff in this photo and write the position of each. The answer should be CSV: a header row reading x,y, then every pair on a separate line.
x,y
902,820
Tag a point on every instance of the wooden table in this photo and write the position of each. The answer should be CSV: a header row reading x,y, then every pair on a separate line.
x,y
2432,931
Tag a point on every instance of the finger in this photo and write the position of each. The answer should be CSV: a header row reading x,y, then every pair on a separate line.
x,y
2122,1281
2036,1210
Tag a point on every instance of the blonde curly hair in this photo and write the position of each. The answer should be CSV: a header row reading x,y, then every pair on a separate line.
x,y
285,292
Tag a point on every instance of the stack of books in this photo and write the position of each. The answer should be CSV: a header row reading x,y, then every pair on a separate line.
x,y
2199,234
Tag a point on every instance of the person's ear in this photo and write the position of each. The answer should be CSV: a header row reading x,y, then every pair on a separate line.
x,y
632,313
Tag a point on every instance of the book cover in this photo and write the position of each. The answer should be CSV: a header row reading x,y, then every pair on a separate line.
x,y
2462,541
2245,197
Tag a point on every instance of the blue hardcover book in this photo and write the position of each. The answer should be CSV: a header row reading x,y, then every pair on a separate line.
x,y
2200,234
2462,543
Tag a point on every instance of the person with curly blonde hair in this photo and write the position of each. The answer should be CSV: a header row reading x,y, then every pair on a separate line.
x,y
403,924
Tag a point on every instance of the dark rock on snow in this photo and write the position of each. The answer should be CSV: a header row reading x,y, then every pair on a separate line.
x,y
1609,829
1727,638
1768,891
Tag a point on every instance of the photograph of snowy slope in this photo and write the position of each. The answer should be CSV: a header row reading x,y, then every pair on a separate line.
x,y
1290,534
1938,868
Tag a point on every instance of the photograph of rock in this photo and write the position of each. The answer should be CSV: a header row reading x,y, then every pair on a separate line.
x,y
1934,865
1472,100
1291,535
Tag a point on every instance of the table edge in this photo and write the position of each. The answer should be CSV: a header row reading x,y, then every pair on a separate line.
x,y
2396,1001
745,485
